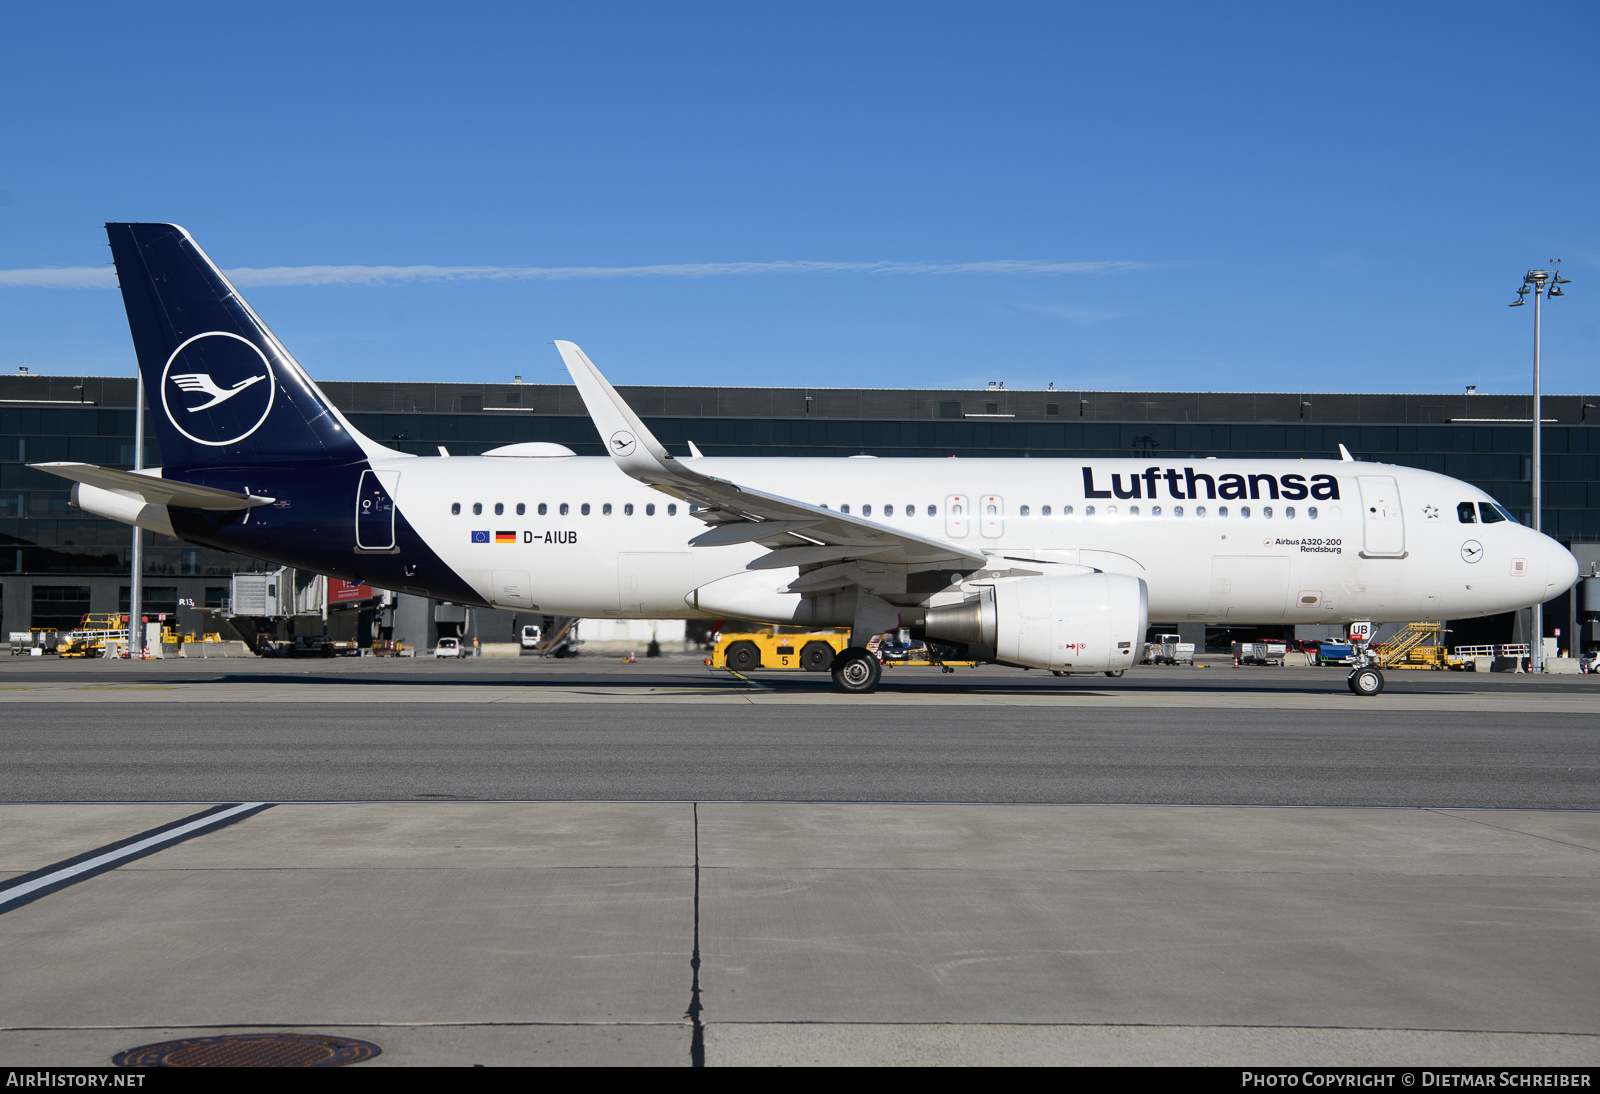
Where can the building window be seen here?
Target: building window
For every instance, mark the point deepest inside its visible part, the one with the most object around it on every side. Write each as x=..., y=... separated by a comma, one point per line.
x=216, y=595
x=61, y=607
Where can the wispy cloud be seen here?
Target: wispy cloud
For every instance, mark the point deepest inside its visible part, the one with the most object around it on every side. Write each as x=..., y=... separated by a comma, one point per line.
x=102, y=277
x=1076, y=313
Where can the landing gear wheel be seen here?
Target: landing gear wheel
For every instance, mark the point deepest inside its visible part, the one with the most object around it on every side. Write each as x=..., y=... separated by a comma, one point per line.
x=1058, y=672
x=816, y=656
x=1116, y=673
x=856, y=671
x=743, y=656
x=1366, y=681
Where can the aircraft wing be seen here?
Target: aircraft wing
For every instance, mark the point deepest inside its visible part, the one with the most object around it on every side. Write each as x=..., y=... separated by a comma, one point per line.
x=822, y=542
x=154, y=489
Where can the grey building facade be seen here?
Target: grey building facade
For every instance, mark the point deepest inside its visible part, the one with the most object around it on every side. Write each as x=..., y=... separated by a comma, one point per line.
x=57, y=563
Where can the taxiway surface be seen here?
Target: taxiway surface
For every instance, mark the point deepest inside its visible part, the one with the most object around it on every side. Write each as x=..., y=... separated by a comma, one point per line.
x=774, y=875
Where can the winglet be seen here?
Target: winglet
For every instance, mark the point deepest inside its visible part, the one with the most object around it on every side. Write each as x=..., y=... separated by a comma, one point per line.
x=1344, y=454
x=633, y=447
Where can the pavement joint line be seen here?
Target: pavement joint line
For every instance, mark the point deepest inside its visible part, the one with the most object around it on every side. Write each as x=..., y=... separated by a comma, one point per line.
x=26, y=888
x=1500, y=827
x=1448, y=809
x=697, y=1042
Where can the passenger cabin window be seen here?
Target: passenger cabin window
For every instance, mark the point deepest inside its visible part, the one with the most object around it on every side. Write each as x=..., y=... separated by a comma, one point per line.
x=1266, y=511
x=455, y=509
x=1199, y=510
x=584, y=509
x=1467, y=513
x=1066, y=510
x=477, y=508
x=933, y=510
x=1312, y=512
x=627, y=509
x=564, y=509
x=1177, y=510
x=521, y=508
x=1022, y=510
x=1222, y=510
x=1044, y=510
x=1244, y=511
x=672, y=510
x=605, y=510
x=866, y=510
x=1289, y=512
x=499, y=508
x=844, y=508
x=543, y=508
x=1133, y=510
x=1491, y=514
x=1155, y=510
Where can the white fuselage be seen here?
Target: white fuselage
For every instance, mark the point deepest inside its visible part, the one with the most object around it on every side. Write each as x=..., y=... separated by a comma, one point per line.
x=1391, y=545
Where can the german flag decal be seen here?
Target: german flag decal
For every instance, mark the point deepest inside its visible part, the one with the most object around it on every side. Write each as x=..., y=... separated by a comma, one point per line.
x=505, y=537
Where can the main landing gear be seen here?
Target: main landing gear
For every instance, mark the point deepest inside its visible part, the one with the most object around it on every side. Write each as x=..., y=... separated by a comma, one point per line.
x=1366, y=680
x=856, y=671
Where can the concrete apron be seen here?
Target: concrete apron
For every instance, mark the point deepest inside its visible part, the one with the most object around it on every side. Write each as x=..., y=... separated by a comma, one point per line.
x=564, y=933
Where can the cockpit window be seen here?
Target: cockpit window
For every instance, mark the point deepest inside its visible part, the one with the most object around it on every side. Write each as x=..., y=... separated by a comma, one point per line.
x=1492, y=514
x=1467, y=513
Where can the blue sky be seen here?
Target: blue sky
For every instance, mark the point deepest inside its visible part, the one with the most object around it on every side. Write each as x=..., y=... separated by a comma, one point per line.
x=1159, y=196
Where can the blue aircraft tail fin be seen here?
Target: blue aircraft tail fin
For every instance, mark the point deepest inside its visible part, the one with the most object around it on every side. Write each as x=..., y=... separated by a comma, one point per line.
x=220, y=386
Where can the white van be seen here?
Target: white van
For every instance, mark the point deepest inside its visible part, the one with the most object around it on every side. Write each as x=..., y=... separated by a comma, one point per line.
x=531, y=636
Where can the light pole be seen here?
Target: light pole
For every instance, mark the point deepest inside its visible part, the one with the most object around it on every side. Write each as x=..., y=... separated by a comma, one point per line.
x=135, y=589
x=1541, y=283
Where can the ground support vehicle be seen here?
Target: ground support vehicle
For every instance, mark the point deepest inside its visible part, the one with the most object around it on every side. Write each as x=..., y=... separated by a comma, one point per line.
x=1168, y=649
x=1259, y=653
x=448, y=647
x=813, y=651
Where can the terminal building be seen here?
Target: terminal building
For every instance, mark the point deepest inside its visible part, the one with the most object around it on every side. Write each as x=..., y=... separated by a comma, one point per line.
x=57, y=563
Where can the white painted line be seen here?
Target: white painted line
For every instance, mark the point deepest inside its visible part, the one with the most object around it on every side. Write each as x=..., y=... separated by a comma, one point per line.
x=133, y=850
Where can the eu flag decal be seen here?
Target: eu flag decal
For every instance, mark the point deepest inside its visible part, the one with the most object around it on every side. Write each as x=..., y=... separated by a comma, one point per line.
x=480, y=537
x=505, y=537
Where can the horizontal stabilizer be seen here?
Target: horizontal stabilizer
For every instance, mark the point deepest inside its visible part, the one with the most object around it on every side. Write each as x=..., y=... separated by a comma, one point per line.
x=154, y=489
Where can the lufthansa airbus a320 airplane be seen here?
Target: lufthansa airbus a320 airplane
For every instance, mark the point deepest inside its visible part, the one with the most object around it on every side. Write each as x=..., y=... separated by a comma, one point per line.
x=1049, y=563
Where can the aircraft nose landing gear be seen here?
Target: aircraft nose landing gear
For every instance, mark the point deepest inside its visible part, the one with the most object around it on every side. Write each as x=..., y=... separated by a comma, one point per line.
x=1366, y=680
x=856, y=670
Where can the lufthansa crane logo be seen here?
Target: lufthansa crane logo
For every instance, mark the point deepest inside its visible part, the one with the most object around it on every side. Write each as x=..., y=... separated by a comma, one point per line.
x=217, y=388
x=622, y=443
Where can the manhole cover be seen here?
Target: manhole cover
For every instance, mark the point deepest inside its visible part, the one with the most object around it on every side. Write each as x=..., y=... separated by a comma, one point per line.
x=251, y=1050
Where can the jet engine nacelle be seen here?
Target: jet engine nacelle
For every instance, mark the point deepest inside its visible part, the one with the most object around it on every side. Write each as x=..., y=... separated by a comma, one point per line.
x=1082, y=622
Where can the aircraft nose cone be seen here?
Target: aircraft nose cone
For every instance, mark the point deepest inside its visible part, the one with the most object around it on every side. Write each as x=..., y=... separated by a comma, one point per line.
x=1561, y=568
